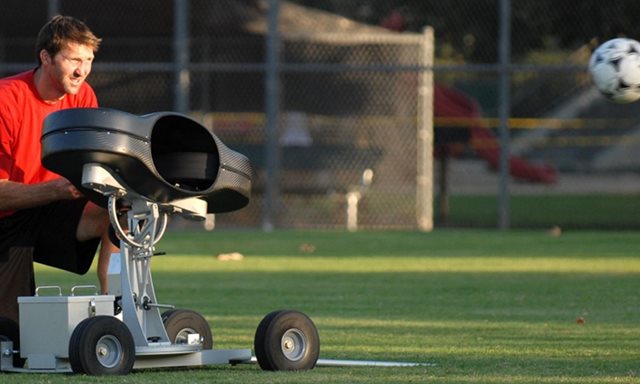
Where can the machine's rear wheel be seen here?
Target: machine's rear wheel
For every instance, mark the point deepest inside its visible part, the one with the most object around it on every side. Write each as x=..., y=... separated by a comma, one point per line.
x=102, y=345
x=287, y=341
x=9, y=331
x=180, y=323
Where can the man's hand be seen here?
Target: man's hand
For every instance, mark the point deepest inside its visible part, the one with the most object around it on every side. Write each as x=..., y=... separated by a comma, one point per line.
x=64, y=189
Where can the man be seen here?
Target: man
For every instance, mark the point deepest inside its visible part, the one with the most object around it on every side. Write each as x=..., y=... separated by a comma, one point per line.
x=43, y=217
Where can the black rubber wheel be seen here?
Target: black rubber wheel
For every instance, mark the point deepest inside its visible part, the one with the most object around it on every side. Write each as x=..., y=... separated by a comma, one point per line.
x=179, y=323
x=10, y=331
x=287, y=341
x=74, y=351
x=102, y=345
x=260, y=340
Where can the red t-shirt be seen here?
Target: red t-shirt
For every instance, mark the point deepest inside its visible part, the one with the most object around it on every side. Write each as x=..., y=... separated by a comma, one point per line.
x=22, y=112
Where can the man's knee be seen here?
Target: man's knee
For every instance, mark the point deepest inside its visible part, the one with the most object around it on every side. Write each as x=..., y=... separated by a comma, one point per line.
x=93, y=223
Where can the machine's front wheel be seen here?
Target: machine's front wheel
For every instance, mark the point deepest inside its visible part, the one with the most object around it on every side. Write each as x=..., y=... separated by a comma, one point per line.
x=102, y=345
x=180, y=323
x=287, y=341
x=9, y=331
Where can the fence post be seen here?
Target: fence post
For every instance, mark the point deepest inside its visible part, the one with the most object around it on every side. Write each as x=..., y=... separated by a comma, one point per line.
x=53, y=8
x=504, y=102
x=272, y=107
x=424, y=145
x=181, y=76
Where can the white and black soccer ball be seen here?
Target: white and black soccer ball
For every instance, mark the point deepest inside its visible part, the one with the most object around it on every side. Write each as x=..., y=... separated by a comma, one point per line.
x=615, y=69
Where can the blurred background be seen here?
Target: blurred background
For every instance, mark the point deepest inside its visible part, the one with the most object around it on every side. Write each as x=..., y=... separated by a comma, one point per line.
x=379, y=114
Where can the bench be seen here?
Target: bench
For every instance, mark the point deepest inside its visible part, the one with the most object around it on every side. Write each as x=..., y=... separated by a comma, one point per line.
x=317, y=170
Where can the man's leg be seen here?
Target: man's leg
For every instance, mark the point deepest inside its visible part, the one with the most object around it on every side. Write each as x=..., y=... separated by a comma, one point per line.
x=55, y=235
x=16, y=260
x=16, y=279
x=95, y=223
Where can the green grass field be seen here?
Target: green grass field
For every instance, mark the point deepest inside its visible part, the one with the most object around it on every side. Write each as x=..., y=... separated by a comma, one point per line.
x=588, y=211
x=478, y=306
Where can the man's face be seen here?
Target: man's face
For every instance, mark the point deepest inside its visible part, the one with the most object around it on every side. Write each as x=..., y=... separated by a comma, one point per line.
x=68, y=69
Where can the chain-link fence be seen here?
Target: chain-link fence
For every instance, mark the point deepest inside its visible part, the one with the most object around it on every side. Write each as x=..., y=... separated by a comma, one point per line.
x=341, y=149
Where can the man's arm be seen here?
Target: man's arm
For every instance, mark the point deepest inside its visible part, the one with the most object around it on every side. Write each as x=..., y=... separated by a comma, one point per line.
x=15, y=196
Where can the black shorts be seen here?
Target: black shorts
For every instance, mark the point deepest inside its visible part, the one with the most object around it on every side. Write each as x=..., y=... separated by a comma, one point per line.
x=46, y=235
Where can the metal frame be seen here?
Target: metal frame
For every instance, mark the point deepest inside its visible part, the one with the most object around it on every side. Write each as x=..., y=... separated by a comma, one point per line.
x=147, y=222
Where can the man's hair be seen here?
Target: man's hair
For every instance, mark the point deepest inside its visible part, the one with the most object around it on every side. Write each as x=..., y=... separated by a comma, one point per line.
x=61, y=30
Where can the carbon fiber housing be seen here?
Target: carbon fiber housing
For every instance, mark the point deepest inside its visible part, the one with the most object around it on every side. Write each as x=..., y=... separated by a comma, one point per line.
x=163, y=156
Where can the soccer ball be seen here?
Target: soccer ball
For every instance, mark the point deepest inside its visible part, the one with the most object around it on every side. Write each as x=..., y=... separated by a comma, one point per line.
x=615, y=69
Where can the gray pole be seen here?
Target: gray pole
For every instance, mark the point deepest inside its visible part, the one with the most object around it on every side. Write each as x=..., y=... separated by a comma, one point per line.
x=272, y=107
x=181, y=76
x=504, y=111
x=54, y=8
